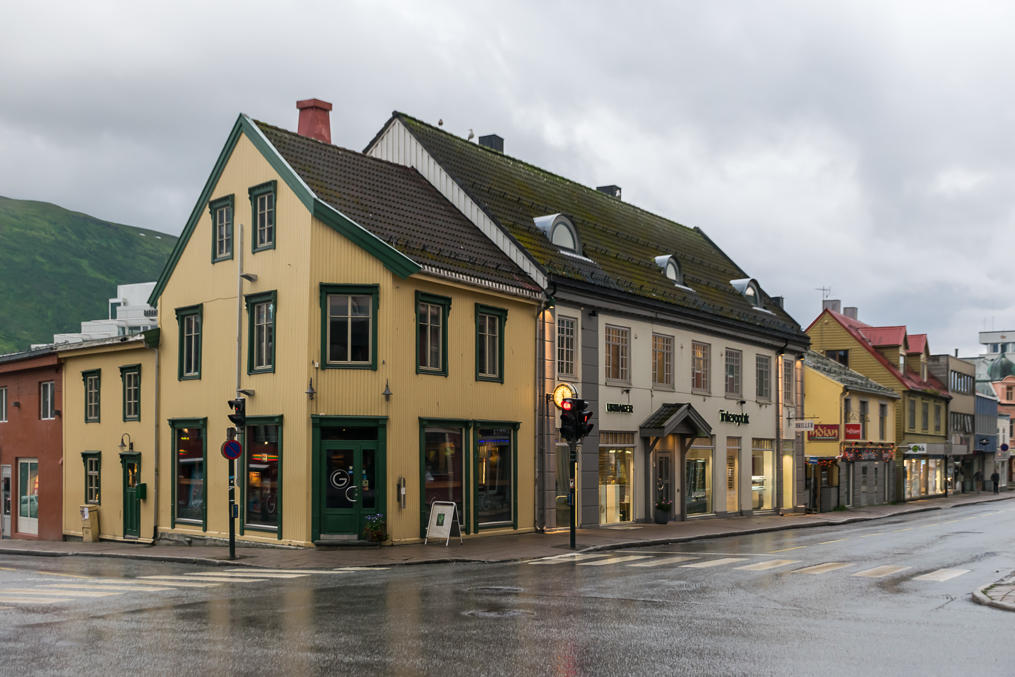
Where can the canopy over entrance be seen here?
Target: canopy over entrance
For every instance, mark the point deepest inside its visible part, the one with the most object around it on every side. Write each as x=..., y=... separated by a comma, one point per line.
x=675, y=418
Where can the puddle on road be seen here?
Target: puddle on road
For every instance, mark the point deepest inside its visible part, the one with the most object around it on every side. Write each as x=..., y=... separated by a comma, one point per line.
x=497, y=613
x=505, y=589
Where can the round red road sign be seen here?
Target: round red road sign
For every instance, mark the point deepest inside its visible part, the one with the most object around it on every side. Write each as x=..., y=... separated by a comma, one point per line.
x=232, y=449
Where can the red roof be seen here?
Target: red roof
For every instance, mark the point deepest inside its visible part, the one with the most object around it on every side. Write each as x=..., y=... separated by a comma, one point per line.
x=860, y=331
x=881, y=337
x=917, y=343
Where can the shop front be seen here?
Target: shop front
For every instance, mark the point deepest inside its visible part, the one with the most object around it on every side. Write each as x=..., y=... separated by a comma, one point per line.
x=349, y=475
x=616, y=477
x=678, y=440
x=868, y=466
x=925, y=471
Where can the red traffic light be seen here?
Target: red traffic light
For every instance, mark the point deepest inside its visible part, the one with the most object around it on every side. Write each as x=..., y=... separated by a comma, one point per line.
x=567, y=404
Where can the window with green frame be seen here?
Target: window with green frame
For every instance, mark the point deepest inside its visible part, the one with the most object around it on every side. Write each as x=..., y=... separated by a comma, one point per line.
x=490, y=324
x=261, y=486
x=261, y=310
x=349, y=326
x=221, y=228
x=432, y=333
x=93, y=476
x=189, y=354
x=262, y=215
x=190, y=459
x=130, y=376
x=495, y=475
x=93, y=385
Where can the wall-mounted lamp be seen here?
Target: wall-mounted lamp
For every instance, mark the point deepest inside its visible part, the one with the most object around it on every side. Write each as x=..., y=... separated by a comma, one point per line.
x=742, y=402
x=57, y=412
x=129, y=446
x=249, y=277
x=387, y=391
x=17, y=404
x=310, y=389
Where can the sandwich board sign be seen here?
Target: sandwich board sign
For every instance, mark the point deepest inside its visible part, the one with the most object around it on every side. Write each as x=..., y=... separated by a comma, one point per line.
x=442, y=515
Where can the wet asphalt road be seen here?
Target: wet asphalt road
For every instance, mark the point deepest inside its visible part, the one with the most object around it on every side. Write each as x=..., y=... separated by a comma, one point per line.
x=888, y=597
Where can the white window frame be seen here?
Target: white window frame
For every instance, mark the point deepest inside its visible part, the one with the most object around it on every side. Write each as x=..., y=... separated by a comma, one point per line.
x=264, y=217
x=47, y=403
x=619, y=337
x=662, y=348
x=700, y=366
x=191, y=342
x=223, y=232
x=734, y=372
x=3, y=404
x=264, y=335
x=763, y=376
x=567, y=355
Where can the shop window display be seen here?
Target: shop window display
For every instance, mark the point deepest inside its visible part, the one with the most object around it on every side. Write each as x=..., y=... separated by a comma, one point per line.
x=616, y=452
x=263, y=486
x=494, y=477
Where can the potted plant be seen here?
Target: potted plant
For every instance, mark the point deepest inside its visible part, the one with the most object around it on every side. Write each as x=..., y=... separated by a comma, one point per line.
x=662, y=512
x=374, y=528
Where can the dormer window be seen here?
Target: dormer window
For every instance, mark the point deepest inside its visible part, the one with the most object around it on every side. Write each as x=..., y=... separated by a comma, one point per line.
x=750, y=290
x=560, y=231
x=671, y=269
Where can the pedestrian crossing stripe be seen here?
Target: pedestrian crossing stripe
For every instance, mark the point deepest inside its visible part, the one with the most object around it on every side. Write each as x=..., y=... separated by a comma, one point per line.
x=714, y=562
x=25, y=599
x=570, y=557
x=118, y=587
x=234, y=574
x=881, y=572
x=941, y=575
x=770, y=564
x=304, y=572
x=186, y=582
x=613, y=560
x=342, y=570
x=65, y=593
x=824, y=568
x=661, y=561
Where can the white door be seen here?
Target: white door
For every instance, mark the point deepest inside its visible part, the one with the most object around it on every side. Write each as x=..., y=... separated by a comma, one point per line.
x=28, y=496
x=5, y=501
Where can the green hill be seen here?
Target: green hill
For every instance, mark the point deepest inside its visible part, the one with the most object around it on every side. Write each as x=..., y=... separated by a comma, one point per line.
x=58, y=268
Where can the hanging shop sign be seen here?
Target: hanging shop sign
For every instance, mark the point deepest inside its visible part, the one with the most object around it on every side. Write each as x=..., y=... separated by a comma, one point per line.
x=870, y=451
x=736, y=419
x=916, y=448
x=803, y=426
x=622, y=408
x=824, y=432
x=853, y=431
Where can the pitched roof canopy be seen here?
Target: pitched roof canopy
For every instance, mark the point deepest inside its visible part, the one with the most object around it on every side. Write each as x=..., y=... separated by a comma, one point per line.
x=620, y=243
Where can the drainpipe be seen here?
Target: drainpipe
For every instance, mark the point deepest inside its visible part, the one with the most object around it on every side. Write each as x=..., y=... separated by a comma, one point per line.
x=155, y=438
x=540, y=418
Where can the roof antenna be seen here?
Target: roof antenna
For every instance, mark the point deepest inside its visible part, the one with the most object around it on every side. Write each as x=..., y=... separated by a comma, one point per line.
x=825, y=293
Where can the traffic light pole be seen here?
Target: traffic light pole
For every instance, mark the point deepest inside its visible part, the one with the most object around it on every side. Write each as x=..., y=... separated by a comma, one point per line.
x=573, y=466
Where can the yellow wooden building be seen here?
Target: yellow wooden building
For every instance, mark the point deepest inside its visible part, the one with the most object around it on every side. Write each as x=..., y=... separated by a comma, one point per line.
x=383, y=347
x=110, y=424
x=850, y=447
x=898, y=360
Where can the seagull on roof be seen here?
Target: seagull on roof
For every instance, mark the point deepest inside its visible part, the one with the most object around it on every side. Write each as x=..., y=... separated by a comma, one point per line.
x=440, y=123
x=471, y=135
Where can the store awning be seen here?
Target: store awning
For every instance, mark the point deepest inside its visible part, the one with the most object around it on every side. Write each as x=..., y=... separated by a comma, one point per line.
x=675, y=418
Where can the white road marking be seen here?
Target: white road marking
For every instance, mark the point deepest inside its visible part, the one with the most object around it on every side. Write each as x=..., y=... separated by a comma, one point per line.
x=342, y=570
x=825, y=568
x=305, y=572
x=765, y=566
x=661, y=561
x=714, y=563
x=562, y=559
x=881, y=572
x=230, y=574
x=941, y=575
x=795, y=547
x=24, y=599
x=183, y=582
x=123, y=587
x=838, y=540
x=65, y=593
x=613, y=560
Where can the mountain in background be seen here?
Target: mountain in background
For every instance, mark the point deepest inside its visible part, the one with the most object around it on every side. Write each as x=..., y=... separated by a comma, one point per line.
x=59, y=268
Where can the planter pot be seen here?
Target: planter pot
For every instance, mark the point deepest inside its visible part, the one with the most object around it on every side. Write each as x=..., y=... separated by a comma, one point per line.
x=661, y=516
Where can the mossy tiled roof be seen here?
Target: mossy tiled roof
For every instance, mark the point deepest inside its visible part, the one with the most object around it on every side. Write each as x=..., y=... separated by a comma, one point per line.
x=397, y=205
x=621, y=240
x=853, y=380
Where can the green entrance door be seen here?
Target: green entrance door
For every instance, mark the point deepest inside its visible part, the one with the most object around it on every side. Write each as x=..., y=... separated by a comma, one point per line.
x=131, y=499
x=351, y=485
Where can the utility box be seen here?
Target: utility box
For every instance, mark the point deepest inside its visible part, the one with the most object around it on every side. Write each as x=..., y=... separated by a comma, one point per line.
x=90, y=523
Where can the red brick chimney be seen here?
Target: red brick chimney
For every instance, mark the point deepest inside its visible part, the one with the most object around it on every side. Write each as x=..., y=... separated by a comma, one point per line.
x=315, y=119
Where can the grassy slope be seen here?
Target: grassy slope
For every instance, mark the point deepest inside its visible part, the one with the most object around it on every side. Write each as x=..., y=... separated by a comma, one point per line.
x=58, y=268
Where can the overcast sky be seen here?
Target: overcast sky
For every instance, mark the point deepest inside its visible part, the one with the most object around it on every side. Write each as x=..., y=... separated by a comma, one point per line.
x=864, y=147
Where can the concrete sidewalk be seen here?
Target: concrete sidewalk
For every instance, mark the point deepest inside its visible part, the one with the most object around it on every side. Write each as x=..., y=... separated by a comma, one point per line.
x=504, y=548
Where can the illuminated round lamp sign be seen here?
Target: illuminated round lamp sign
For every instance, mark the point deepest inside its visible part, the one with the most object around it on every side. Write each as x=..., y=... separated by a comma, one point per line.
x=562, y=392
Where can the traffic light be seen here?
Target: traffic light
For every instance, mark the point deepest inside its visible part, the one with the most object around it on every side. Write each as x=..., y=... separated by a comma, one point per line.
x=568, y=423
x=582, y=420
x=239, y=415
